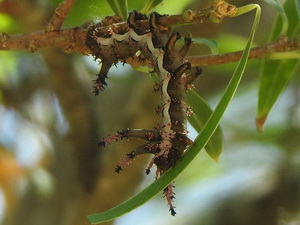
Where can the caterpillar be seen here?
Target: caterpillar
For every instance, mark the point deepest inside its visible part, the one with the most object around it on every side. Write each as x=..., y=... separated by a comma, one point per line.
x=168, y=140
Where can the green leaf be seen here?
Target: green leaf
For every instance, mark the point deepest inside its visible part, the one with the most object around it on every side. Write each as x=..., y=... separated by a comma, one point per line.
x=5, y=22
x=274, y=79
x=200, y=141
x=150, y=4
x=95, y=10
x=202, y=112
x=283, y=17
x=211, y=43
x=298, y=8
x=276, y=74
x=173, y=7
x=293, y=18
x=119, y=7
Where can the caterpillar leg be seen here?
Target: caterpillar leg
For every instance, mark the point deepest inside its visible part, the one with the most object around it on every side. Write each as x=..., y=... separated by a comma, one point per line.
x=90, y=41
x=172, y=56
x=153, y=25
x=150, y=148
x=132, y=18
x=149, y=135
x=170, y=195
x=159, y=32
x=100, y=82
x=194, y=74
x=181, y=70
x=171, y=42
x=185, y=48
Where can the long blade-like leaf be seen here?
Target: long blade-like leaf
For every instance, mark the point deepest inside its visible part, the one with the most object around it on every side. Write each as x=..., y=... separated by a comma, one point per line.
x=191, y=153
x=297, y=2
x=119, y=7
x=276, y=74
x=201, y=113
x=150, y=5
x=283, y=18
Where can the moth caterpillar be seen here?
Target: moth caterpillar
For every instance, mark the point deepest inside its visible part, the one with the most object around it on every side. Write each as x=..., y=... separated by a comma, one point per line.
x=168, y=140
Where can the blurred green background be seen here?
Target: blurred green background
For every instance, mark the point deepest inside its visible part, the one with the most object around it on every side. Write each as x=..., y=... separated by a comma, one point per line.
x=53, y=173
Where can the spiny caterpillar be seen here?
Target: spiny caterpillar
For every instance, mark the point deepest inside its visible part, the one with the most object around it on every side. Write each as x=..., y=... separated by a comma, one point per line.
x=168, y=140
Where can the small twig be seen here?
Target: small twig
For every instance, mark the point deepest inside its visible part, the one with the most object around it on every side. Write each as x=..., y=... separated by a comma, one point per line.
x=283, y=44
x=59, y=15
x=70, y=40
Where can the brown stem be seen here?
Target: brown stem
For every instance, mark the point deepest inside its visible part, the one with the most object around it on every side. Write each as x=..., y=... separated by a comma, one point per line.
x=72, y=40
x=283, y=44
x=59, y=15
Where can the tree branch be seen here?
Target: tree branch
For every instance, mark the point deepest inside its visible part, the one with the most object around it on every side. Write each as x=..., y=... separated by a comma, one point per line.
x=70, y=40
x=59, y=15
x=283, y=44
x=73, y=40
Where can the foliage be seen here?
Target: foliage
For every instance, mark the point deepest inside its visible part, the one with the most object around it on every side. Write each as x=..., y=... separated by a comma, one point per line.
x=275, y=75
x=200, y=141
x=49, y=117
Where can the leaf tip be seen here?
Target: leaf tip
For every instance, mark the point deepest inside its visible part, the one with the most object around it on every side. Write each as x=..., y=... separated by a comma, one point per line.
x=215, y=155
x=216, y=159
x=260, y=122
x=91, y=219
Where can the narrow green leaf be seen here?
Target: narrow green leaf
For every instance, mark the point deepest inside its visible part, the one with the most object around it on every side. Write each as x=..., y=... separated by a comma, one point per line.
x=275, y=74
x=284, y=20
x=211, y=43
x=201, y=140
x=202, y=112
x=274, y=79
x=294, y=21
x=119, y=7
x=150, y=5
x=297, y=2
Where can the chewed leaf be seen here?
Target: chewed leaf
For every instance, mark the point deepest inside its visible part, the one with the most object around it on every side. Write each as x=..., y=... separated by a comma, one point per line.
x=201, y=113
x=119, y=7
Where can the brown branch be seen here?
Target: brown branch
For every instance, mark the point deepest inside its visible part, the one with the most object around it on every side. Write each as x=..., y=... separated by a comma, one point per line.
x=70, y=40
x=59, y=15
x=283, y=44
x=73, y=39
